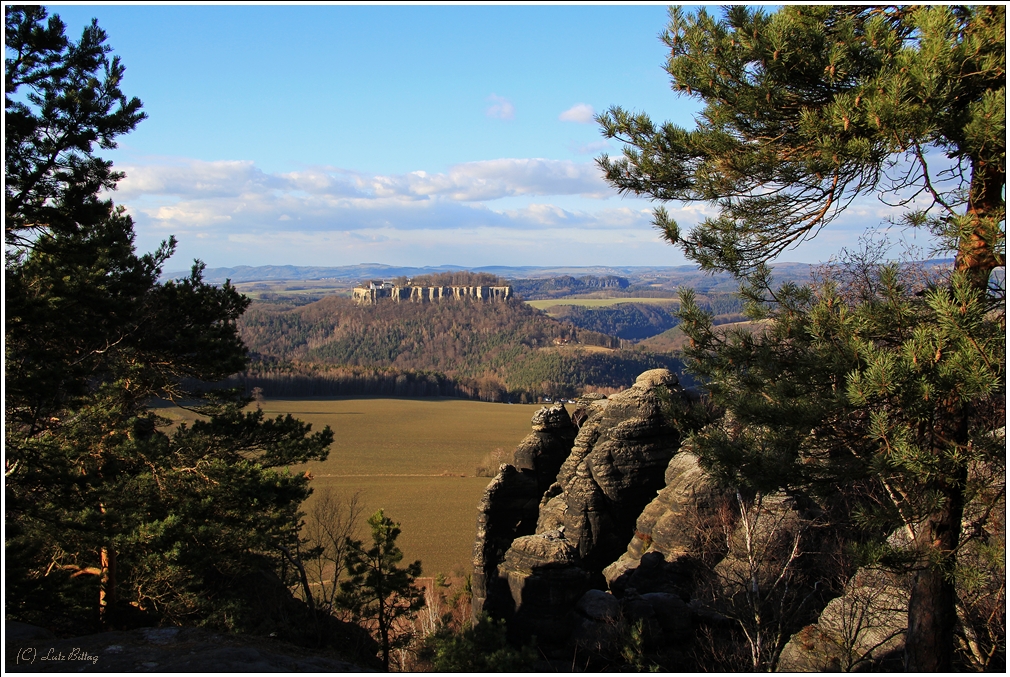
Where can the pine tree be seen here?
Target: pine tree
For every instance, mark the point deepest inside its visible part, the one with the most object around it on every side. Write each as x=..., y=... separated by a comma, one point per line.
x=806, y=109
x=379, y=592
x=101, y=497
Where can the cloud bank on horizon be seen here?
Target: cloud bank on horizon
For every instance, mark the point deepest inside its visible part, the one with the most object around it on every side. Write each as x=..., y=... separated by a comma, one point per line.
x=507, y=211
x=518, y=211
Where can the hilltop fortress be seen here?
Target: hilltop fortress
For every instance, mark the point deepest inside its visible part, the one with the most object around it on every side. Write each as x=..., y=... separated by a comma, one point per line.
x=378, y=289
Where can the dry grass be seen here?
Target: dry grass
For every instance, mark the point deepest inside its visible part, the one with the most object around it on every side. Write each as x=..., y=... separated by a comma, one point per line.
x=414, y=458
x=488, y=466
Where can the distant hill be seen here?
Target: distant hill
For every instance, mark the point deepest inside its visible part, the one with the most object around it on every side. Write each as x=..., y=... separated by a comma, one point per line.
x=665, y=277
x=566, y=285
x=491, y=351
x=637, y=320
x=659, y=277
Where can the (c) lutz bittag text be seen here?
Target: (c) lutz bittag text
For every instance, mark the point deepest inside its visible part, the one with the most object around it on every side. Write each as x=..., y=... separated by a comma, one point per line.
x=30, y=655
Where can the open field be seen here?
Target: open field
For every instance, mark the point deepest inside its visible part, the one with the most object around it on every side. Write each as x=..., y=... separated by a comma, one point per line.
x=598, y=303
x=414, y=458
x=577, y=348
x=293, y=289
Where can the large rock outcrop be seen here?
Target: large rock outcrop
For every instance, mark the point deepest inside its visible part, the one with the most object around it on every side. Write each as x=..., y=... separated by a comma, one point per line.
x=695, y=551
x=661, y=555
x=509, y=507
x=586, y=515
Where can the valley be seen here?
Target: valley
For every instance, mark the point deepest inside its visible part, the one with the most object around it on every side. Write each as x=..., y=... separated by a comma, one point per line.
x=500, y=352
x=415, y=458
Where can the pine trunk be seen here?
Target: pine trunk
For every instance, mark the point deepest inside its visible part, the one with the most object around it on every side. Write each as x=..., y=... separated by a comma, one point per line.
x=107, y=588
x=977, y=255
x=932, y=608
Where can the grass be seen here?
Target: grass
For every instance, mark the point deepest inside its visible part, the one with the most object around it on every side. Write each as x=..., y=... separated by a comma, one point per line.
x=293, y=289
x=541, y=304
x=575, y=348
x=414, y=458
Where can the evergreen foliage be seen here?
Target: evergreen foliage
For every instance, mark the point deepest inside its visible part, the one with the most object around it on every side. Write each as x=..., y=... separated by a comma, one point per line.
x=378, y=592
x=492, y=351
x=480, y=646
x=111, y=518
x=807, y=108
x=870, y=389
x=456, y=278
x=628, y=321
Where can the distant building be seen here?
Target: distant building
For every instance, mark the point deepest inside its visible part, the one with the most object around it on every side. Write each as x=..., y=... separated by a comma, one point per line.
x=379, y=289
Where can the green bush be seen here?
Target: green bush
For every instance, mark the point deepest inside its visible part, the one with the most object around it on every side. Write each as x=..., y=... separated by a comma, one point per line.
x=477, y=647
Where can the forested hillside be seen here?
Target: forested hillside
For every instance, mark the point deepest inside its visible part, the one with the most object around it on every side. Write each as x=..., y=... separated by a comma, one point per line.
x=624, y=320
x=492, y=351
x=565, y=285
x=636, y=321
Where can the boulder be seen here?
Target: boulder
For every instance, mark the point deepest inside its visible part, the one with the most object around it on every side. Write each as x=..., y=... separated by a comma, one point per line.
x=863, y=629
x=544, y=450
x=599, y=606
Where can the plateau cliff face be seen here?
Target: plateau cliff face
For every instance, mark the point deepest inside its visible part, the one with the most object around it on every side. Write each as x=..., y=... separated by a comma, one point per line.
x=416, y=294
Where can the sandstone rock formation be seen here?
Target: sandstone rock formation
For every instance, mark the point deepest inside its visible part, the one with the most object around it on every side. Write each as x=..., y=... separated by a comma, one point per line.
x=379, y=290
x=863, y=629
x=662, y=551
x=694, y=554
x=585, y=516
x=509, y=507
x=633, y=547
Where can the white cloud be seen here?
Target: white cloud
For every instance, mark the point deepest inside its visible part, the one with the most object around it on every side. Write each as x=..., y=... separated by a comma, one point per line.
x=467, y=246
x=223, y=179
x=591, y=148
x=582, y=113
x=506, y=177
x=229, y=213
x=500, y=108
x=203, y=178
x=467, y=182
x=550, y=215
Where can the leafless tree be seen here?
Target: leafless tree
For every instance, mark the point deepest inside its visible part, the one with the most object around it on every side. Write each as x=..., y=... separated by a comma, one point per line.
x=331, y=520
x=760, y=584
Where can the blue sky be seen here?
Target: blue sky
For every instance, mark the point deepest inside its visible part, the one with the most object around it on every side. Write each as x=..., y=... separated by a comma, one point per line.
x=405, y=135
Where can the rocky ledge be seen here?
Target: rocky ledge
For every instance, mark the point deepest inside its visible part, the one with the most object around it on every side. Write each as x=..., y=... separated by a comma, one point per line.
x=33, y=649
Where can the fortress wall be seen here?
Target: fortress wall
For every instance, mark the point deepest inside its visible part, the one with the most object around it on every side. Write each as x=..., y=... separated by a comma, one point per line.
x=413, y=294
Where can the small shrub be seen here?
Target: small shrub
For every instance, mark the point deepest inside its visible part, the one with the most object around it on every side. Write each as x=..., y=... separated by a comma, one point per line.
x=488, y=466
x=478, y=647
